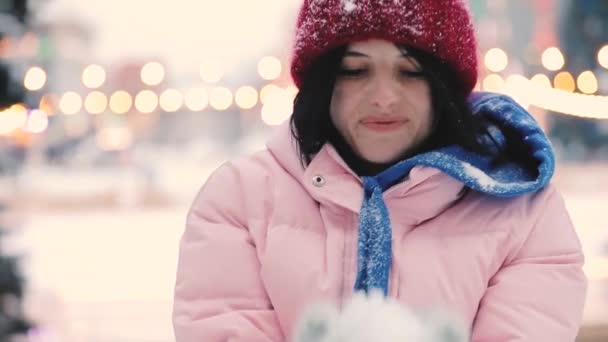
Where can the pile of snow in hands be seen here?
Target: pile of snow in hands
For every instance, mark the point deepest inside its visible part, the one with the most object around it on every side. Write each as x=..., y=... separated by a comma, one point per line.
x=378, y=319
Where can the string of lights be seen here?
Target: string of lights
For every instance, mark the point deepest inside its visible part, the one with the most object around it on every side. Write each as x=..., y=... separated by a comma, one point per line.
x=557, y=93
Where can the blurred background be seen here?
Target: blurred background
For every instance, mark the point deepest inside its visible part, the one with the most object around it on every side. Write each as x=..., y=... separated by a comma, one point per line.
x=113, y=113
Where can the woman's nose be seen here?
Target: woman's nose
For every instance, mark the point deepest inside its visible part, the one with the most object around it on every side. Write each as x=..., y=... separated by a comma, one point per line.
x=384, y=94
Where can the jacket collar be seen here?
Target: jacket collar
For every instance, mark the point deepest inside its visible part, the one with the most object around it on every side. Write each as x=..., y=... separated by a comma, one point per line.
x=423, y=194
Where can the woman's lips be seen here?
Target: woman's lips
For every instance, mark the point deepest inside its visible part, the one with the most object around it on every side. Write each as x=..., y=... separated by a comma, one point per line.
x=383, y=124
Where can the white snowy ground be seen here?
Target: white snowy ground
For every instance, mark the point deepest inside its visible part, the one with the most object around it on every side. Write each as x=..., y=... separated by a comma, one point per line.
x=107, y=275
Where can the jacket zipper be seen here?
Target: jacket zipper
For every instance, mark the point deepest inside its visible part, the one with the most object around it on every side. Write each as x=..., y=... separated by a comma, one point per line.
x=345, y=248
x=349, y=256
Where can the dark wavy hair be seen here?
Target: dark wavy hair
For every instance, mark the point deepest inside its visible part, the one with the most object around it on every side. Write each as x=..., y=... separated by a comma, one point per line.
x=453, y=120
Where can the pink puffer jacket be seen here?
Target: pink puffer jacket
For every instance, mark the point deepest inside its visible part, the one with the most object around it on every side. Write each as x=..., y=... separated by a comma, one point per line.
x=266, y=237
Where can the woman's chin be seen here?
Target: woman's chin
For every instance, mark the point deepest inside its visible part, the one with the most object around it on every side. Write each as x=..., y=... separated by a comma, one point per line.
x=382, y=159
x=383, y=154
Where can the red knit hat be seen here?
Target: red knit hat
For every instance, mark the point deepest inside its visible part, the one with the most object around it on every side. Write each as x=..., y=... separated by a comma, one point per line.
x=441, y=27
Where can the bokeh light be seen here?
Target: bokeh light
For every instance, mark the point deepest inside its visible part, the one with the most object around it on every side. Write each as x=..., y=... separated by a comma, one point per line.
x=70, y=103
x=587, y=82
x=553, y=59
x=12, y=118
x=541, y=80
x=146, y=101
x=266, y=92
x=34, y=79
x=269, y=68
x=292, y=90
x=196, y=99
x=246, y=97
x=518, y=87
x=48, y=104
x=220, y=98
x=152, y=73
x=567, y=102
x=171, y=100
x=37, y=122
x=93, y=76
x=121, y=102
x=278, y=107
x=496, y=60
x=96, y=102
x=493, y=82
x=602, y=56
x=564, y=81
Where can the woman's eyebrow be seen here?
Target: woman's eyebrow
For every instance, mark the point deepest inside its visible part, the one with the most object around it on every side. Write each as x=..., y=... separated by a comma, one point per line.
x=352, y=53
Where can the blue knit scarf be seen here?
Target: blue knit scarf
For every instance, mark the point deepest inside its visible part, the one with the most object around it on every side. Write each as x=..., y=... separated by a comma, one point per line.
x=474, y=171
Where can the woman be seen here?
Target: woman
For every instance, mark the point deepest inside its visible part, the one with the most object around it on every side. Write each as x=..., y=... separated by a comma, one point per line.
x=390, y=175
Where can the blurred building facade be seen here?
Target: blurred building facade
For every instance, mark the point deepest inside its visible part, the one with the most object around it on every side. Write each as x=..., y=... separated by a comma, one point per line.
x=132, y=139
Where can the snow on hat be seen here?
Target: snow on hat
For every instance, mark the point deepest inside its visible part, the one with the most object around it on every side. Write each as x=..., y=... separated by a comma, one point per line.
x=440, y=27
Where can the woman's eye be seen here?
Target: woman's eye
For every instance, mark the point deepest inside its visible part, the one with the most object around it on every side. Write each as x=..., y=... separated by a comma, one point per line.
x=412, y=73
x=351, y=72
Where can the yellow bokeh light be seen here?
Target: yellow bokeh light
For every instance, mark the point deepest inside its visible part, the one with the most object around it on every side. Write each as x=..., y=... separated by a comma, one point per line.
x=278, y=107
x=12, y=118
x=570, y=103
x=493, y=82
x=18, y=108
x=587, y=82
x=541, y=80
x=171, y=100
x=496, y=60
x=516, y=80
x=269, y=68
x=34, y=79
x=602, y=56
x=267, y=91
x=196, y=99
x=292, y=90
x=152, y=73
x=518, y=87
x=220, y=98
x=37, y=122
x=121, y=102
x=246, y=97
x=564, y=81
x=146, y=101
x=96, y=102
x=93, y=76
x=211, y=71
x=70, y=103
x=48, y=104
x=553, y=59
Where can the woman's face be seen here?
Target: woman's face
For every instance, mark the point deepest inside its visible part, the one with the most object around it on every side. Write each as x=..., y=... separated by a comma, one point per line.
x=381, y=104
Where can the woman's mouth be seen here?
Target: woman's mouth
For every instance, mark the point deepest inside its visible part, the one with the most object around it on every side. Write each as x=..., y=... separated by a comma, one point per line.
x=383, y=124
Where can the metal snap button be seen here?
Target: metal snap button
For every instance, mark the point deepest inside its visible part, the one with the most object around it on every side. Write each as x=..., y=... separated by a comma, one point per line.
x=318, y=181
